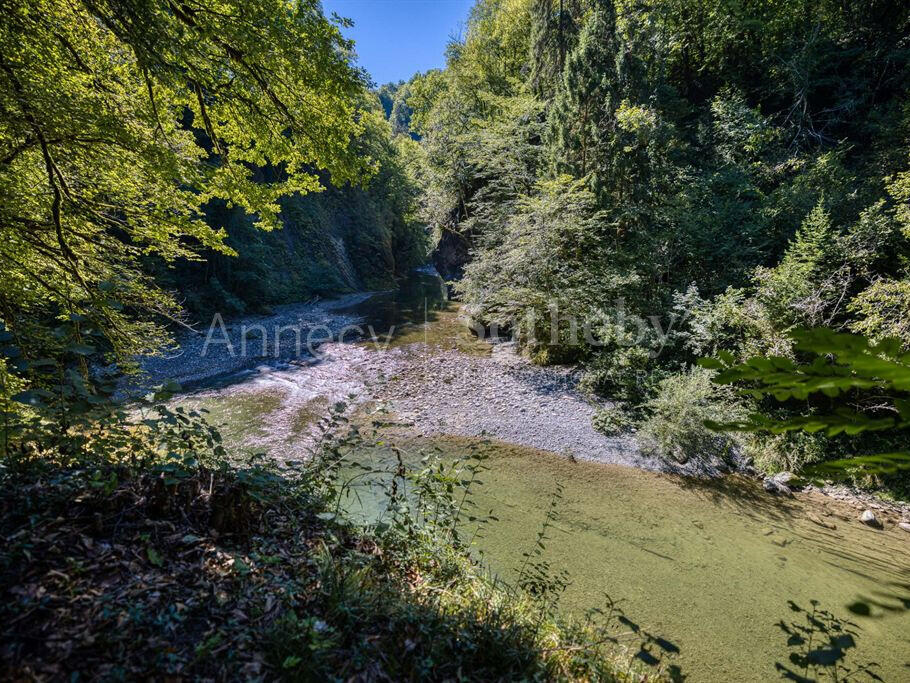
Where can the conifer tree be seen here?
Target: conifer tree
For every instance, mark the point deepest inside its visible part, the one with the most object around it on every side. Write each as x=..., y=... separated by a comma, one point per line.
x=584, y=104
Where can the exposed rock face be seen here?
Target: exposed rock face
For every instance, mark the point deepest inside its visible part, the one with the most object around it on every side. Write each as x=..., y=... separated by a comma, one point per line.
x=779, y=489
x=451, y=255
x=784, y=477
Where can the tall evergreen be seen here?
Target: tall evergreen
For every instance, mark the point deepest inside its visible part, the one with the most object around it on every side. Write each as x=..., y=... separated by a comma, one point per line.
x=583, y=108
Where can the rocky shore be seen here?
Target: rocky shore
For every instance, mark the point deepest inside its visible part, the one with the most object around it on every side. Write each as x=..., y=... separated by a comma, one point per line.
x=222, y=349
x=428, y=384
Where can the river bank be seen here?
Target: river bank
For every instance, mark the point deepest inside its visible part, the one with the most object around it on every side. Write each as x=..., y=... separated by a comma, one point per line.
x=228, y=348
x=710, y=563
x=432, y=375
x=409, y=351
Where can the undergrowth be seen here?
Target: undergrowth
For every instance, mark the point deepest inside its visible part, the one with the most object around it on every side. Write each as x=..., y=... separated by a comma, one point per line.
x=141, y=550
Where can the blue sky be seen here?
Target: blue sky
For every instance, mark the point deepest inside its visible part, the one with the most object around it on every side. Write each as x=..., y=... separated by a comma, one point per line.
x=395, y=38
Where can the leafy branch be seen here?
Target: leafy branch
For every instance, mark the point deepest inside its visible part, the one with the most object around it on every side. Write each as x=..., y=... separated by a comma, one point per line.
x=847, y=385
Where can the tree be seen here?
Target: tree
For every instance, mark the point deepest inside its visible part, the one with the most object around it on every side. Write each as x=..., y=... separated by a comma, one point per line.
x=554, y=30
x=847, y=385
x=120, y=122
x=584, y=105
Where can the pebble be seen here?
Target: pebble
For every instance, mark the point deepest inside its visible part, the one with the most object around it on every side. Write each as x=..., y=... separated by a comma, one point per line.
x=821, y=522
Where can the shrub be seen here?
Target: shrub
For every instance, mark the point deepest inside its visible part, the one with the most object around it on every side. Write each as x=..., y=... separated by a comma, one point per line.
x=789, y=452
x=613, y=420
x=884, y=308
x=675, y=427
x=625, y=373
x=193, y=565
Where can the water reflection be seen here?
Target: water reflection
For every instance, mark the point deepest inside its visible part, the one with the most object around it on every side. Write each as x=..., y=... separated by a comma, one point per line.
x=417, y=300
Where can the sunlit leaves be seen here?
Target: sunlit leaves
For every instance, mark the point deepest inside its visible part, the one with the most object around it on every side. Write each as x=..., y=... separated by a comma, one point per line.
x=865, y=384
x=119, y=122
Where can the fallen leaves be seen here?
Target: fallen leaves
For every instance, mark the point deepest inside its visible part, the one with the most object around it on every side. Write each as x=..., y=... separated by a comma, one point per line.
x=128, y=585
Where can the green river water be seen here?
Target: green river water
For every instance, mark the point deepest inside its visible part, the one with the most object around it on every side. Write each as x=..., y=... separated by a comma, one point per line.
x=715, y=567
x=718, y=568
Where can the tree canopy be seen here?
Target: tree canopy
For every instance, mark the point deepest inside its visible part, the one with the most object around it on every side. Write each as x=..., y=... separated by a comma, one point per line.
x=121, y=121
x=734, y=171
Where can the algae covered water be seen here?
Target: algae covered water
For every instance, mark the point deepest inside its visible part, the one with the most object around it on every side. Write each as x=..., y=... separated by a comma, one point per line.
x=725, y=572
x=743, y=583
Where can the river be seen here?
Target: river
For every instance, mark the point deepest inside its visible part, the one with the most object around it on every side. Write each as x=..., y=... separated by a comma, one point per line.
x=719, y=568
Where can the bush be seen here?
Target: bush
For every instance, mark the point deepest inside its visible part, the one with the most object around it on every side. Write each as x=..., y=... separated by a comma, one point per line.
x=675, y=427
x=624, y=373
x=789, y=452
x=613, y=420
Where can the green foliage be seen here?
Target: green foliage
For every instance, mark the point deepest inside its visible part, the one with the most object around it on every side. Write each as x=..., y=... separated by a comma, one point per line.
x=675, y=427
x=524, y=281
x=747, y=171
x=554, y=31
x=883, y=310
x=623, y=371
x=394, y=100
x=341, y=239
x=787, y=452
x=613, y=420
x=585, y=102
x=800, y=288
x=55, y=411
x=121, y=123
x=320, y=596
x=850, y=386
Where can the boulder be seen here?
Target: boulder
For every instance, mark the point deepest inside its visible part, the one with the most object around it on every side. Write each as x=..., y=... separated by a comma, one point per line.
x=778, y=488
x=784, y=477
x=904, y=525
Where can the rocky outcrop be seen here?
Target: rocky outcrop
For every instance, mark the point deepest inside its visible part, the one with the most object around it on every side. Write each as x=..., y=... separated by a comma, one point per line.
x=452, y=254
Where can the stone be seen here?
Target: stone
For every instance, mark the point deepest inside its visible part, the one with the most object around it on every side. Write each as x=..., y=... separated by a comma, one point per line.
x=775, y=487
x=820, y=521
x=904, y=525
x=783, y=477
x=868, y=517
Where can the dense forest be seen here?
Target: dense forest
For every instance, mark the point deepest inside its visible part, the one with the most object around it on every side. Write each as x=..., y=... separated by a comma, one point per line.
x=676, y=179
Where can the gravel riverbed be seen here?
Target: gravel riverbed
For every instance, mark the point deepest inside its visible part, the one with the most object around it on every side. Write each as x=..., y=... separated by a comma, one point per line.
x=431, y=379
x=430, y=388
x=226, y=349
